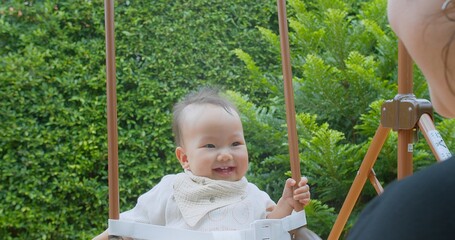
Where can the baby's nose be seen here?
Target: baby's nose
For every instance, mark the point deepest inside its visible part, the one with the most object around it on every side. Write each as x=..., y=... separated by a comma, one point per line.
x=224, y=156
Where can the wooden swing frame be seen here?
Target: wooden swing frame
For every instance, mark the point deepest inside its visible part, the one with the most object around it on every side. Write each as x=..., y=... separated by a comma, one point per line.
x=421, y=117
x=114, y=210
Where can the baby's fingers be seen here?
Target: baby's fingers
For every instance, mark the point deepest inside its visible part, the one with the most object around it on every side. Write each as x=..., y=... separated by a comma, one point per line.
x=305, y=201
x=290, y=183
x=302, y=189
x=303, y=196
x=303, y=181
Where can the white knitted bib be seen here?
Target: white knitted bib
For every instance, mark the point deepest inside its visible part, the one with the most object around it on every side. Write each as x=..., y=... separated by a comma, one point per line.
x=196, y=196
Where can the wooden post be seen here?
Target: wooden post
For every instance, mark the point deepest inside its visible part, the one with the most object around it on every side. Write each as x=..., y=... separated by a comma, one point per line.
x=112, y=133
x=289, y=96
x=405, y=137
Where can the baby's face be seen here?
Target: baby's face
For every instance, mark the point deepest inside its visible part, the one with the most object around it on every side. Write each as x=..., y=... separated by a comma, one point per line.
x=213, y=143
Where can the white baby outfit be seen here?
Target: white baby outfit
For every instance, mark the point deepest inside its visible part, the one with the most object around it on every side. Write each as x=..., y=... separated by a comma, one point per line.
x=198, y=203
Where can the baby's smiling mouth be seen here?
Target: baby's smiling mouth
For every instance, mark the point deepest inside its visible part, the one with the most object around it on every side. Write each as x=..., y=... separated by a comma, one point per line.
x=224, y=170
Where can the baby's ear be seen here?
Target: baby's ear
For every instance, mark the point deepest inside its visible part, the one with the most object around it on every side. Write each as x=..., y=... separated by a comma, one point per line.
x=182, y=157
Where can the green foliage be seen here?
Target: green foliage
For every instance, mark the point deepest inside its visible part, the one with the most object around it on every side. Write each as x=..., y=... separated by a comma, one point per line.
x=320, y=218
x=328, y=163
x=53, y=126
x=342, y=57
x=256, y=80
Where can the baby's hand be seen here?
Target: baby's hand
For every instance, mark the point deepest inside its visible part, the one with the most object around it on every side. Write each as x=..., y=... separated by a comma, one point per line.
x=290, y=197
x=300, y=194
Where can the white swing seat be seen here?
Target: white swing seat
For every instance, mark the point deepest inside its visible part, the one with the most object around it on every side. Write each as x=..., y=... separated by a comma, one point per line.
x=264, y=229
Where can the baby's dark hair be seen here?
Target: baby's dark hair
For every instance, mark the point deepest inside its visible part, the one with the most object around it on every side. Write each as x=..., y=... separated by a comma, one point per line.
x=205, y=95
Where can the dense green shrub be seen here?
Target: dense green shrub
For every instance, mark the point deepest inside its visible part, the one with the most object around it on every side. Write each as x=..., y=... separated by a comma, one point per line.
x=53, y=123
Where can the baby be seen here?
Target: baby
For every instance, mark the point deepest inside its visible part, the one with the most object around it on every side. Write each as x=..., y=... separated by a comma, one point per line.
x=212, y=194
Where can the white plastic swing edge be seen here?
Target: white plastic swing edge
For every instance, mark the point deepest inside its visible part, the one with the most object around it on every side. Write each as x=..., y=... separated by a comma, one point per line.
x=270, y=229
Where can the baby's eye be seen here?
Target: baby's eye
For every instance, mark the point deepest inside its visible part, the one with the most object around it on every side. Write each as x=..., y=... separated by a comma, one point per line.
x=236, y=144
x=209, y=145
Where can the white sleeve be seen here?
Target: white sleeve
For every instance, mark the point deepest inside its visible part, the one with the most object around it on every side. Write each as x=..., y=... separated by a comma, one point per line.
x=263, y=201
x=150, y=207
